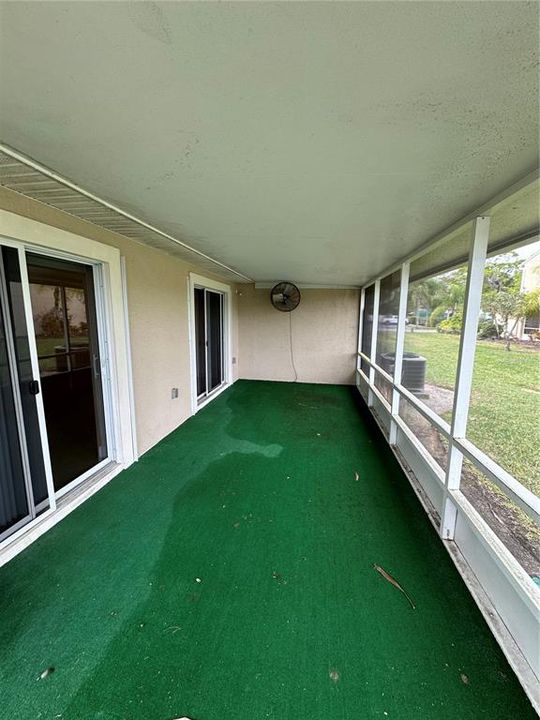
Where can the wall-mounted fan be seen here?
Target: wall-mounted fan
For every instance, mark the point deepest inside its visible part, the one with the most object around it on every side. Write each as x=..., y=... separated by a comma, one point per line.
x=285, y=296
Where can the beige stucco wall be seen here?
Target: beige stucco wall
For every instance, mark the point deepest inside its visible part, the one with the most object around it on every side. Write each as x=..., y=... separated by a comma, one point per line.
x=158, y=319
x=324, y=326
x=324, y=336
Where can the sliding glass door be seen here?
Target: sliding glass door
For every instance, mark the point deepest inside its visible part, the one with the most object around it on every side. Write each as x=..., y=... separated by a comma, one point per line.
x=208, y=341
x=28, y=388
x=65, y=326
x=23, y=482
x=15, y=498
x=52, y=413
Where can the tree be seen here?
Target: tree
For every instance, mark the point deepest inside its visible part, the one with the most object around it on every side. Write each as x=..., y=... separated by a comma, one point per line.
x=441, y=296
x=51, y=322
x=423, y=295
x=506, y=308
x=503, y=272
x=501, y=297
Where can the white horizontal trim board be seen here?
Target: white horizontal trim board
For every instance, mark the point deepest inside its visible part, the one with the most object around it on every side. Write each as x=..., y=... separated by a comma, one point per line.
x=432, y=484
x=304, y=286
x=434, y=466
x=441, y=425
x=385, y=375
x=523, y=497
x=505, y=593
x=380, y=397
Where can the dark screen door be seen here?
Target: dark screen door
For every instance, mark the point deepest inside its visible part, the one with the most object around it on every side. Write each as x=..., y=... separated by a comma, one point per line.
x=214, y=322
x=200, y=340
x=208, y=340
x=64, y=313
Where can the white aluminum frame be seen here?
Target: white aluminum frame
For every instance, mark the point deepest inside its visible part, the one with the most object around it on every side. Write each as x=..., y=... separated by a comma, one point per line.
x=200, y=281
x=465, y=534
x=25, y=235
x=19, y=416
x=400, y=342
x=103, y=332
x=134, y=440
x=465, y=369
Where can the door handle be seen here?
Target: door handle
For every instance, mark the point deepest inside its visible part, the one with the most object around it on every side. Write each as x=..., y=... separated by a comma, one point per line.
x=33, y=387
x=97, y=369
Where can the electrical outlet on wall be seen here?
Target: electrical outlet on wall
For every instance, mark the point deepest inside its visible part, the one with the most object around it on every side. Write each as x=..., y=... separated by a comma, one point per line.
x=174, y=393
x=234, y=361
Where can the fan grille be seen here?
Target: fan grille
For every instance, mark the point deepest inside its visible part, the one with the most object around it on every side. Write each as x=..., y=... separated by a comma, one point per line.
x=285, y=296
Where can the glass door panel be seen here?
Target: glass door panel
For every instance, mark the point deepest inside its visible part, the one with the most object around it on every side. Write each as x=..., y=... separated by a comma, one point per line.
x=208, y=309
x=64, y=313
x=215, y=339
x=15, y=505
x=200, y=341
x=27, y=387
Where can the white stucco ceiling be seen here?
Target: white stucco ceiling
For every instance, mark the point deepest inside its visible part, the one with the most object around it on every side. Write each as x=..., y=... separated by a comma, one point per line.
x=316, y=142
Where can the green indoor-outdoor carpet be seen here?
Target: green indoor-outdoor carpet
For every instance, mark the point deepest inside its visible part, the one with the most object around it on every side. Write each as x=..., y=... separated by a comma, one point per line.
x=228, y=575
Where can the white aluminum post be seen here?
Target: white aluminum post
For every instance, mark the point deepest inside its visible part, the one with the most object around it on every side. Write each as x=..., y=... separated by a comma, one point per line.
x=373, y=350
x=465, y=369
x=360, y=327
x=400, y=343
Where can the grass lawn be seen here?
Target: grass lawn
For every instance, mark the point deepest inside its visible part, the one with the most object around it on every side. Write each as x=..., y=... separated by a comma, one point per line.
x=48, y=345
x=505, y=406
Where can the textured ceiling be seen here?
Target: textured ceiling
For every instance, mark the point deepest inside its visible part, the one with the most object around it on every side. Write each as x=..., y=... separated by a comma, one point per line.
x=20, y=174
x=317, y=142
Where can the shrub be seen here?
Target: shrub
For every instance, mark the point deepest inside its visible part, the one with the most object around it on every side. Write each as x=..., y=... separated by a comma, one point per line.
x=452, y=324
x=437, y=315
x=487, y=329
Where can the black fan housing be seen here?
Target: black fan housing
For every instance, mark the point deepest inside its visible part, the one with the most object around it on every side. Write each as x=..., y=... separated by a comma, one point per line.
x=285, y=296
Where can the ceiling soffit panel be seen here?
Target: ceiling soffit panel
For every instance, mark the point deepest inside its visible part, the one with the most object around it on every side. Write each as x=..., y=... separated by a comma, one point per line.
x=17, y=175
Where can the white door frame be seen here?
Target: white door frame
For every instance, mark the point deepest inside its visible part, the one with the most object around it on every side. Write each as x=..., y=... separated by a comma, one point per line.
x=25, y=234
x=103, y=333
x=19, y=415
x=199, y=281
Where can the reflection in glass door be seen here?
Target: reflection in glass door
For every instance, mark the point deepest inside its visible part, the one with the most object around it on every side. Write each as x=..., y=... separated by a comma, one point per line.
x=65, y=324
x=209, y=343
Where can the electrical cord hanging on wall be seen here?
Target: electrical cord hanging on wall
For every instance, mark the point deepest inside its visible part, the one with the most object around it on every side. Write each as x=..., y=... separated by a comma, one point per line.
x=285, y=297
x=291, y=348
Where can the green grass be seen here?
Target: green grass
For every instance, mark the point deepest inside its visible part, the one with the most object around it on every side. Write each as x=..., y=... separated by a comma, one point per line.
x=47, y=346
x=256, y=497
x=505, y=405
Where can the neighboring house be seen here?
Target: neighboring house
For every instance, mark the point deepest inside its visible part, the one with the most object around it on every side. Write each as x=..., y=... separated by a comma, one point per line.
x=530, y=281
